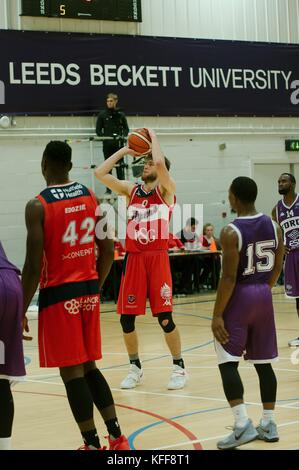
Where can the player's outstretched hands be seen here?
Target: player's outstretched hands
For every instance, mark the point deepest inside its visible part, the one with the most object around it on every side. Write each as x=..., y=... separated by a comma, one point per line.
x=219, y=330
x=152, y=134
x=131, y=152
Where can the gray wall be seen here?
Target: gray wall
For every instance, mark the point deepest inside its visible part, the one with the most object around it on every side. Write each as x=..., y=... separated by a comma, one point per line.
x=202, y=171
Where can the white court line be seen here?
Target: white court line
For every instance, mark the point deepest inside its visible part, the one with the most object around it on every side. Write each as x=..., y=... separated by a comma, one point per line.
x=197, y=441
x=42, y=376
x=42, y=382
x=173, y=395
x=290, y=405
x=184, y=354
x=158, y=353
x=211, y=367
x=290, y=423
x=154, y=354
x=114, y=369
x=168, y=395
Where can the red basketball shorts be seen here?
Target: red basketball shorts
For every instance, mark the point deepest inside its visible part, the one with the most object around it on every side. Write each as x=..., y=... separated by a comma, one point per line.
x=69, y=332
x=145, y=275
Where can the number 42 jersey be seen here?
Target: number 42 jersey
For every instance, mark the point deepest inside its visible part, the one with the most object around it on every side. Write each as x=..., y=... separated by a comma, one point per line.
x=69, y=232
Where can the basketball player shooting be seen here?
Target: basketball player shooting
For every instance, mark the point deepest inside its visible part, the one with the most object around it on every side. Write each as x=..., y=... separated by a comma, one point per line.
x=146, y=268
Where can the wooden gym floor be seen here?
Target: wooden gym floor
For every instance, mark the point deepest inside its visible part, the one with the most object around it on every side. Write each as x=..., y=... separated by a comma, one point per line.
x=151, y=416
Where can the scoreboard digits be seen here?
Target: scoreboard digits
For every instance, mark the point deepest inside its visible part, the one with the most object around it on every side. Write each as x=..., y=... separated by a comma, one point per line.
x=115, y=10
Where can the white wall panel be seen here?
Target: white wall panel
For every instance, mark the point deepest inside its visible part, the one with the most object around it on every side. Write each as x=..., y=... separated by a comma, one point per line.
x=238, y=15
x=205, y=20
x=294, y=19
x=3, y=15
x=283, y=21
x=166, y=18
x=271, y=14
x=181, y=17
x=202, y=171
x=157, y=22
x=261, y=20
x=251, y=20
x=194, y=19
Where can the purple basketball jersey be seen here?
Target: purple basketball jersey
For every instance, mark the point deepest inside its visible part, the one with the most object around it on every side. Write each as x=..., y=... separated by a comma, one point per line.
x=4, y=263
x=250, y=307
x=288, y=219
x=257, y=246
x=11, y=317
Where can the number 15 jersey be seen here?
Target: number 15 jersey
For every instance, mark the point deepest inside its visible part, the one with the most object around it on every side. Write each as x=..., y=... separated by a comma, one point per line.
x=69, y=232
x=257, y=247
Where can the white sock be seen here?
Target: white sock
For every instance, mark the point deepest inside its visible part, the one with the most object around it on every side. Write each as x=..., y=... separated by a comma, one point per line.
x=268, y=415
x=5, y=443
x=240, y=415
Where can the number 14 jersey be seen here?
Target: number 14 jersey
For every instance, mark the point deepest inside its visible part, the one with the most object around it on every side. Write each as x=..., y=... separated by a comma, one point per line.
x=69, y=231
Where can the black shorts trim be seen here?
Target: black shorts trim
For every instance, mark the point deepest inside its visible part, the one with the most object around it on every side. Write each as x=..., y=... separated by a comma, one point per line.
x=53, y=295
x=125, y=264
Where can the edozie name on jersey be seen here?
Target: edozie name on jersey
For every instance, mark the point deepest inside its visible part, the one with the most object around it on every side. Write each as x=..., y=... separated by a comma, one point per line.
x=70, y=210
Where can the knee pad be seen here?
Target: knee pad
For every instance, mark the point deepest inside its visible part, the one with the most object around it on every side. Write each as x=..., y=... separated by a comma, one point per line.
x=166, y=322
x=128, y=323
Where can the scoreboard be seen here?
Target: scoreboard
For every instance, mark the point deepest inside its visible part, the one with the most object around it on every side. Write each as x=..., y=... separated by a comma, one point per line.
x=115, y=10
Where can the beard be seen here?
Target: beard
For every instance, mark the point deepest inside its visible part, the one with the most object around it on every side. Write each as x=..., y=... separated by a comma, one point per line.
x=149, y=178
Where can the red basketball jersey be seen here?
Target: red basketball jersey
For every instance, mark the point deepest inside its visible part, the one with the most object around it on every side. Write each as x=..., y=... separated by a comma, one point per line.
x=69, y=231
x=148, y=221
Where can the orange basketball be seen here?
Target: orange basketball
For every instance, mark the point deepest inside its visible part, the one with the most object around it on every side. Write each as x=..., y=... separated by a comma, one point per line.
x=139, y=140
